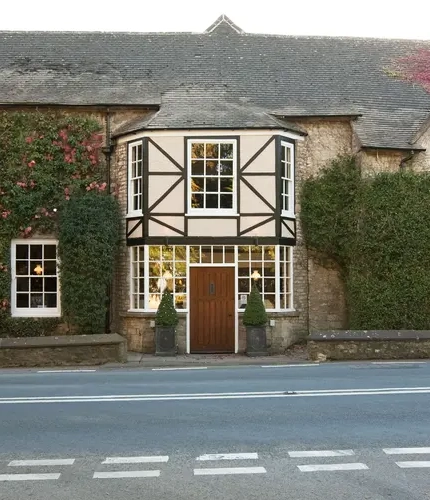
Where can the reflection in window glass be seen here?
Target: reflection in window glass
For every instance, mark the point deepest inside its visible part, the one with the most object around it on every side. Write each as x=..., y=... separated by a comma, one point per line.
x=212, y=175
x=263, y=260
x=36, y=279
x=167, y=267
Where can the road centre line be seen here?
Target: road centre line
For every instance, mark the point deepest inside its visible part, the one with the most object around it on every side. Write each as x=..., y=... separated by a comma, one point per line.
x=332, y=467
x=126, y=474
x=415, y=464
x=297, y=365
x=406, y=451
x=229, y=471
x=321, y=453
x=228, y=456
x=29, y=477
x=136, y=460
x=39, y=463
x=182, y=368
x=209, y=394
x=215, y=396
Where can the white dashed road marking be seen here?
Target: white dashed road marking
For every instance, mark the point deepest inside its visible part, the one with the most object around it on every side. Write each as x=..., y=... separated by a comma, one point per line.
x=126, y=474
x=29, y=477
x=31, y=463
x=136, y=460
x=65, y=371
x=229, y=471
x=185, y=368
x=331, y=467
x=406, y=451
x=414, y=464
x=228, y=456
x=321, y=453
x=290, y=366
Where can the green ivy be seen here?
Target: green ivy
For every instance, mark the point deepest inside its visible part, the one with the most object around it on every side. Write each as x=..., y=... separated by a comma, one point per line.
x=329, y=206
x=166, y=313
x=378, y=231
x=255, y=312
x=47, y=160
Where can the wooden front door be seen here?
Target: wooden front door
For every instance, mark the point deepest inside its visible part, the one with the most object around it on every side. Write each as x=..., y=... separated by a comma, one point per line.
x=212, y=314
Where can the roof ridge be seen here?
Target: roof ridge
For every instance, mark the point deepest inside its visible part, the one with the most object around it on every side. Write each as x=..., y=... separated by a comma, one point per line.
x=223, y=19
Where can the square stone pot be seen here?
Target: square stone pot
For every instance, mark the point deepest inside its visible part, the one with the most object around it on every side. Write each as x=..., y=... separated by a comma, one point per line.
x=256, y=344
x=165, y=341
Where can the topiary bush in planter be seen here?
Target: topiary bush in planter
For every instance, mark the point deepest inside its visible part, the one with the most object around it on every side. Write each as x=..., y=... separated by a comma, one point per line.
x=166, y=320
x=255, y=319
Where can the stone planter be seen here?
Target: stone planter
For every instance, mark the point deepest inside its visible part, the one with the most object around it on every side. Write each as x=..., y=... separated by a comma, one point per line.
x=165, y=341
x=256, y=344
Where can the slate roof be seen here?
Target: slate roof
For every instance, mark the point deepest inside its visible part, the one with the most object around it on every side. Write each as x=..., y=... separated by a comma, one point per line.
x=222, y=78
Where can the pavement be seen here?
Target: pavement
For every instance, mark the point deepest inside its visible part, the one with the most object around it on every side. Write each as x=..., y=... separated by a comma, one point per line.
x=295, y=354
x=287, y=431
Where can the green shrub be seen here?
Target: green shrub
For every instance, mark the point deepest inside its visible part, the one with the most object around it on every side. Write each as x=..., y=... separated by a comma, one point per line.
x=255, y=312
x=89, y=232
x=27, y=327
x=166, y=313
x=378, y=231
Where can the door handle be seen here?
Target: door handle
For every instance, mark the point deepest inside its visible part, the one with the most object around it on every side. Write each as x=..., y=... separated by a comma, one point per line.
x=211, y=288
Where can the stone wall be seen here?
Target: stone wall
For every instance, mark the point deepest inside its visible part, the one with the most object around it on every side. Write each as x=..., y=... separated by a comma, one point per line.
x=319, y=294
x=363, y=345
x=139, y=329
x=327, y=295
x=373, y=162
x=67, y=350
x=420, y=162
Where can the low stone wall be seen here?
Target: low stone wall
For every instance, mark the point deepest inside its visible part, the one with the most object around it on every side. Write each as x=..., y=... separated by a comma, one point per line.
x=139, y=330
x=63, y=350
x=369, y=344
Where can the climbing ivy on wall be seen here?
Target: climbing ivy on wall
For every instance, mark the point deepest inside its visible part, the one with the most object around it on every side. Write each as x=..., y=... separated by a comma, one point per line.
x=48, y=161
x=378, y=231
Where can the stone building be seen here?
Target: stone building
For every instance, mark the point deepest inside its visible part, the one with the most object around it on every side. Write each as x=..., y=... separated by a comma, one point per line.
x=209, y=137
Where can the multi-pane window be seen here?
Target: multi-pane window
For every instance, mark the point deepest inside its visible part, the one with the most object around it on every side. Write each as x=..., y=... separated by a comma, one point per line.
x=211, y=254
x=135, y=177
x=155, y=267
x=286, y=271
x=35, y=287
x=263, y=260
x=287, y=178
x=212, y=166
x=163, y=267
x=137, y=278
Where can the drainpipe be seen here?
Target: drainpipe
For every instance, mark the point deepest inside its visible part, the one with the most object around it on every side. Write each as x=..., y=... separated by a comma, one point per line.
x=406, y=159
x=107, y=151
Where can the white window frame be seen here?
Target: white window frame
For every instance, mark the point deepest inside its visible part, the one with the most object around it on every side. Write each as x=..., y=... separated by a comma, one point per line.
x=131, y=195
x=212, y=211
x=290, y=212
x=29, y=312
x=234, y=264
x=146, y=293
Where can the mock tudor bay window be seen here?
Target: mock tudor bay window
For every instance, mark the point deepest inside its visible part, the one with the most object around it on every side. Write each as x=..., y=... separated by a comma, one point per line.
x=35, y=282
x=135, y=178
x=287, y=178
x=155, y=267
x=212, y=177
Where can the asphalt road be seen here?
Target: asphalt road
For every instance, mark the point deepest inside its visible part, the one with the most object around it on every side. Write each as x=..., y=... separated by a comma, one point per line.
x=350, y=431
